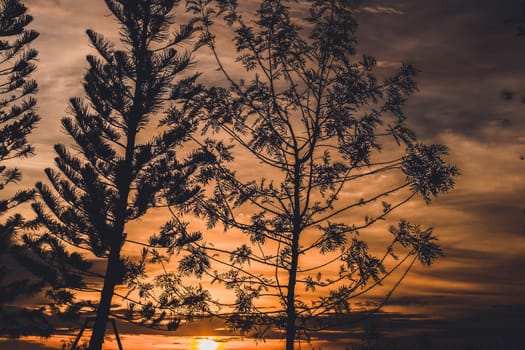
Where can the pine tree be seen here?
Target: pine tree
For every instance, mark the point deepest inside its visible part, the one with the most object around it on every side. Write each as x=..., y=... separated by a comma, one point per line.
x=17, y=120
x=335, y=157
x=112, y=177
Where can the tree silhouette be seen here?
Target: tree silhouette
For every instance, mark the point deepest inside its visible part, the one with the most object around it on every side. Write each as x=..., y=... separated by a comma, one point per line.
x=126, y=135
x=17, y=120
x=314, y=119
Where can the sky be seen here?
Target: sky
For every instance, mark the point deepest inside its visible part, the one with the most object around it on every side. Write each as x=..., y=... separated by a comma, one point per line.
x=466, y=56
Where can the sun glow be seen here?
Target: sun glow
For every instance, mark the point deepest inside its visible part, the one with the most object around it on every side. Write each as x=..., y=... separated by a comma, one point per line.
x=206, y=344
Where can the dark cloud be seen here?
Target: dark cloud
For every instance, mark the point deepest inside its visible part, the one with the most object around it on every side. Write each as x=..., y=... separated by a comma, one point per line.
x=502, y=213
x=489, y=274
x=466, y=53
x=14, y=344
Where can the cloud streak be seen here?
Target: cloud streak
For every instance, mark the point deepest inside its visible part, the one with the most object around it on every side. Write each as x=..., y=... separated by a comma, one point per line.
x=380, y=10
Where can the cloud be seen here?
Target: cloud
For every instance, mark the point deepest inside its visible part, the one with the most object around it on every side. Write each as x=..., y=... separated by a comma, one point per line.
x=466, y=55
x=388, y=64
x=381, y=10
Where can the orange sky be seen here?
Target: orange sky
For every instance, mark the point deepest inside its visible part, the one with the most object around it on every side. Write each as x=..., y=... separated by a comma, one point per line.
x=467, y=56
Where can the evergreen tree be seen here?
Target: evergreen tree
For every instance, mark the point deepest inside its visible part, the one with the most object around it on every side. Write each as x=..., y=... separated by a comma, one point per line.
x=315, y=119
x=17, y=120
x=136, y=117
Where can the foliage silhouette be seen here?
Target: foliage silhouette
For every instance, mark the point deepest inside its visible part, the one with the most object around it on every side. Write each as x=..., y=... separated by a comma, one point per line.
x=112, y=176
x=313, y=119
x=17, y=120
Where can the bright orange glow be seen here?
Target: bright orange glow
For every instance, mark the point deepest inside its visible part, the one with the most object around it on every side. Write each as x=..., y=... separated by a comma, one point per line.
x=206, y=344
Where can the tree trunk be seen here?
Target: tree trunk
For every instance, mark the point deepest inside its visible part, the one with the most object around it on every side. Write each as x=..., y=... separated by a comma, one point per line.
x=110, y=280
x=291, y=312
x=291, y=315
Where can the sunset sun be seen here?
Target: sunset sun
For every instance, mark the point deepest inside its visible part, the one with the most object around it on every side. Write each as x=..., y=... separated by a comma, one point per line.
x=206, y=344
